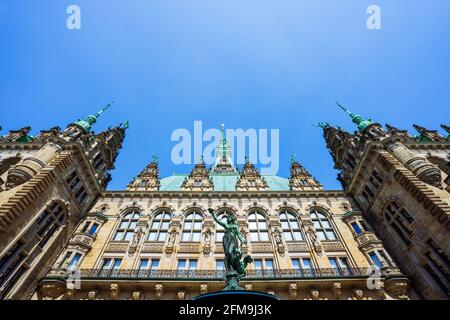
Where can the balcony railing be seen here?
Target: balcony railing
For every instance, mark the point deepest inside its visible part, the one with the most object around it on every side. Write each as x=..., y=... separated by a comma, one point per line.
x=219, y=274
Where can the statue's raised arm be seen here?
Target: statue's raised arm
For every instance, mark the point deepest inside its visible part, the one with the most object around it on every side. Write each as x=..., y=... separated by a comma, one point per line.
x=222, y=223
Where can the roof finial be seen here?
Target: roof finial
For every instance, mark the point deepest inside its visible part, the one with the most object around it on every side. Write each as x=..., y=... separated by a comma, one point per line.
x=351, y=114
x=356, y=118
x=125, y=125
x=293, y=156
x=104, y=109
x=322, y=125
x=155, y=157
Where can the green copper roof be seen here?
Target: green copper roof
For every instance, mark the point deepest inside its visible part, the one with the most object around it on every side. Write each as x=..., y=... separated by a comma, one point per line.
x=356, y=118
x=223, y=182
x=87, y=123
x=25, y=139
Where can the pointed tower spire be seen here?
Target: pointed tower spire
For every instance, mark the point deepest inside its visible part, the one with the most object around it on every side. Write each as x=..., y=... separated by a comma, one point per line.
x=86, y=124
x=125, y=125
x=223, y=163
x=356, y=118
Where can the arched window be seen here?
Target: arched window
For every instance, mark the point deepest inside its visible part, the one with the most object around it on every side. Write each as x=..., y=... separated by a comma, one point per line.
x=127, y=226
x=290, y=226
x=222, y=215
x=159, y=226
x=192, y=227
x=400, y=220
x=324, y=230
x=257, y=227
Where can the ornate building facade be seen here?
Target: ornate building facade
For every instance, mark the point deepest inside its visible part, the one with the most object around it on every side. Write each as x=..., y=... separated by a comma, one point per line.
x=384, y=236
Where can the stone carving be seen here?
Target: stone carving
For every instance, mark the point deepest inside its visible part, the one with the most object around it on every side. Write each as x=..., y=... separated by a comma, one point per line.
x=293, y=291
x=136, y=295
x=158, y=291
x=152, y=247
x=262, y=247
x=189, y=248
x=92, y=295
x=314, y=294
x=207, y=242
x=337, y=290
x=278, y=241
x=358, y=294
x=297, y=247
x=114, y=287
x=171, y=241
x=203, y=288
x=117, y=247
x=311, y=232
x=248, y=287
x=135, y=240
x=180, y=295
x=332, y=246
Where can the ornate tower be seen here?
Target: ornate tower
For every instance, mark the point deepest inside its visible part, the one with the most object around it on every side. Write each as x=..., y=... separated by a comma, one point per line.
x=224, y=162
x=300, y=178
x=198, y=179
x=147, y=179
x=401, y=184
x=250, y=179
x=47, y=183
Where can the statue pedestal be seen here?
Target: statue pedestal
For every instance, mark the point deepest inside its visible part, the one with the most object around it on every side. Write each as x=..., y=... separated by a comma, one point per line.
x=236, y=296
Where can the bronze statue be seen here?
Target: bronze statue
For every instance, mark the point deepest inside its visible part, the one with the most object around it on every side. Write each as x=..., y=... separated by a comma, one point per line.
x=232, y=241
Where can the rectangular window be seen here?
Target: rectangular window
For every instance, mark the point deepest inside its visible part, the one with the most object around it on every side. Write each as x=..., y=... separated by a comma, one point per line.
x=73, y=263
x=219, y=236
x=356, y=228
x=147, y=265
x=162, y=236
x=66, y=258
x=93, y=229
x=269, y=264
x=143, y=264
x=258, y=264
x=307, y=263
x=117, y=263
x=118, y=236
x=220, y=264
x=85, y=226
x=339, y=265
x=376, y=261
x=187, y=264
x=106, y=264
x=192, y=264
x=155, y=264
x=181, y=264
x=185, y=236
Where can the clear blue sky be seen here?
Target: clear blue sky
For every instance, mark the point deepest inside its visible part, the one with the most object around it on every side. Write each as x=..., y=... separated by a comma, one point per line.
x=247, y=63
